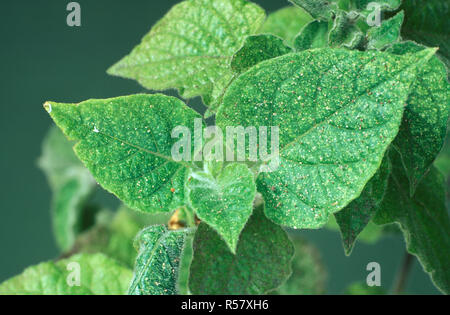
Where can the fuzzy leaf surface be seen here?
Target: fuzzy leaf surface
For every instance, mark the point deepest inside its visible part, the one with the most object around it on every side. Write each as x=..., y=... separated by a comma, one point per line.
x=423, y=129
x=423, y=219
x=344, y=33
x=313, y=35
x=224, y=202
x=262, y=261
x=354, y=218
x=337, y=112
x=158, y=261
x=386, y=34
x=319, y=9
x=126, y=144
x=258, y=48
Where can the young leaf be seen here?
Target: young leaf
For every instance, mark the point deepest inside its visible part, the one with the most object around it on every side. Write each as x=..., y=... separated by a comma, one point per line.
x=225, y=202
x=308, y=273
x=261, y=264
x=98, y=275
x=424, y=125
x=126, y=144
x=258, y=48
x=344, y=32
x=190, y=48
x=71, y=184
x=354, y=218
x=319, y=9
x=339, y=110
x=313, y=35
x=386, y=34
x=158, y=261
x=423, y=219
x=286, y=22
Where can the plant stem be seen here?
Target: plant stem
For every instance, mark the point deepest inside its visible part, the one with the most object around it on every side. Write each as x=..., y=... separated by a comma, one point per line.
x=402, y=277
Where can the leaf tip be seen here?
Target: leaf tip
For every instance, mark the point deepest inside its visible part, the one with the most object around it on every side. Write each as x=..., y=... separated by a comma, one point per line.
x=232, y=245
x=48, y=107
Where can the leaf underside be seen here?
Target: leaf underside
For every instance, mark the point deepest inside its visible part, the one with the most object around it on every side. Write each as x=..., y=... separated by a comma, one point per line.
x=423, y=129
x=387, y=34
x=158, y=261
x=354, y=218
x=423, y=219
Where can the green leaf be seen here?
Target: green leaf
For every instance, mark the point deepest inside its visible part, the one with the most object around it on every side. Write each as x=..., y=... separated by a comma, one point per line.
x=158, y=261
x=114, y=236
x=319, y=9
x=126, y=144
x=258, y=48
x=308, y=273
x=99, y=275
x=423, y=219
x=427, y=22
x=185, y=265
x=344, y=32
x=72, y=186
x=386, y=34
x=361, y=288
x=286, y=22
x=191, y=47
x=313, y=35
x=354, y=218
x=225, y=202
x=261, y=264
x=371, y=233
x=338, y=111
x=423, y=130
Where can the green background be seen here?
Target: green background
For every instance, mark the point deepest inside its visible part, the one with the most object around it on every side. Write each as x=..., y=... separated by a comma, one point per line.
x=41, y=58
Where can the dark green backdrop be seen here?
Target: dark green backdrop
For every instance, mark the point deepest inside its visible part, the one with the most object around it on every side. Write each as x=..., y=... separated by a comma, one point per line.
x=43, y=59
